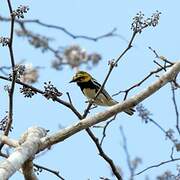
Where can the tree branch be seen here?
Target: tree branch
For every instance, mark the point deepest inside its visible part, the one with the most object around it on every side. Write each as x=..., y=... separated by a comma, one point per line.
x=104, y=129
x=111, y=111
x=11, y=90
x=56, y=99
x=49, y=170
x=10, y=142
x=131, y=169
x=30, y=143
x=140, y=82
x=157, y=165
x=28, y=171
x=175, y=107
x=72, y=35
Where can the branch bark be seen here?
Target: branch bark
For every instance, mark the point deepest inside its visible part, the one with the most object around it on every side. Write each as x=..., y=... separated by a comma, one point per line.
x=10, y=142
x=30, y=143
x=28, y=171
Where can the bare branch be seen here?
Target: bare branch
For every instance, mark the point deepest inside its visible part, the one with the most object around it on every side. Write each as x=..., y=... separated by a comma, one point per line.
x=140, y=82
x=104, y=129
x=3, y=68
x=69, y=97
x=68, y=105
x=157, y=165
x=30, y=143
x=49, y=170
x=145, y=114
x=104, y=155
x=28, y=170
x=160, y=57
x=165, y=132
x=175, y=107
x=111, y=33
x=131, y=169
x=10, y=142
x=11, y=90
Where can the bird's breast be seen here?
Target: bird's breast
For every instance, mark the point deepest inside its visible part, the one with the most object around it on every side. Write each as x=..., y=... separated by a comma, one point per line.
x=90, y=93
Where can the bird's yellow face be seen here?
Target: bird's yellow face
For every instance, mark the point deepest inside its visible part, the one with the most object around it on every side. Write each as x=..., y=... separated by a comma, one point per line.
x=80, y=77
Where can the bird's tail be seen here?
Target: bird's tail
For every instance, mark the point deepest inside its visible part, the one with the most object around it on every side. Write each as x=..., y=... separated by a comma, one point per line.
x=129, y=111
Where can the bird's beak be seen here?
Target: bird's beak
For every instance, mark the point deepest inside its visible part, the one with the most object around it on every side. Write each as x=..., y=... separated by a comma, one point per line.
x=73, y=80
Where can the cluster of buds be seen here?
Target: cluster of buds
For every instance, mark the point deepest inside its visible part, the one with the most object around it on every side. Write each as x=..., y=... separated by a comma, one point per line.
x=143, y=113
x=112, y=63
x=27, y=92
x=4, y=41
x=36, y=40
x=167, y=175
x=30, y=74
x=37, y=169
x=25, y=73
x=94, y=58
x=51, y=92
x=39, y=41
x=136, y=162
x=139, y=21
x=19, y=69
x=74, y=56
x=170, y=135
x=19, y=12
x=3, y=124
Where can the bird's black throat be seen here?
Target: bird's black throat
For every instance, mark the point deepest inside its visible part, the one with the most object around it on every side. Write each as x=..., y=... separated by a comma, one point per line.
x=89, y=84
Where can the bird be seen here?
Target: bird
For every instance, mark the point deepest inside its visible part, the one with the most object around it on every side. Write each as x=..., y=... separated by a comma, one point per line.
x=89, y=87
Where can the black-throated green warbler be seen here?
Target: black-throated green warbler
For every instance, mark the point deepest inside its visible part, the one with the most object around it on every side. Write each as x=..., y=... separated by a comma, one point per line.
x=89, y=86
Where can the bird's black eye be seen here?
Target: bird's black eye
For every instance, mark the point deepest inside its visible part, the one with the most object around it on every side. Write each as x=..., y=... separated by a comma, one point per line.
x=80, y=79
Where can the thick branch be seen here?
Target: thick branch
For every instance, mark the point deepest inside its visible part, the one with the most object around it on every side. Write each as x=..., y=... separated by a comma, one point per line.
x=10, y=142
x=28, y=171
x=30, y=145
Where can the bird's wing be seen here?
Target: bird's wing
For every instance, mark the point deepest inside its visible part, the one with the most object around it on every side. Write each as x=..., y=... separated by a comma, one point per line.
x=98, y=86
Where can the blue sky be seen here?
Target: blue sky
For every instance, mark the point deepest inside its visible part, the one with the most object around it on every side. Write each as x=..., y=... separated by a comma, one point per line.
x=77, y=157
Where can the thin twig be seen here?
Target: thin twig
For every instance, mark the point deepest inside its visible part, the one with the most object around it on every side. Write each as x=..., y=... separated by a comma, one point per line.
x=163, y=67
x=104, y=156
x=104, y=129
x=69, y=97
x=68, y=105
x=157, y=165
x=38, y=22
x=175, y=107
x=3, y=68
x=139, y=83
x=160, y=57
x=172, y=152
x=49, y=170
x=131, y=169
x=161, y=128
